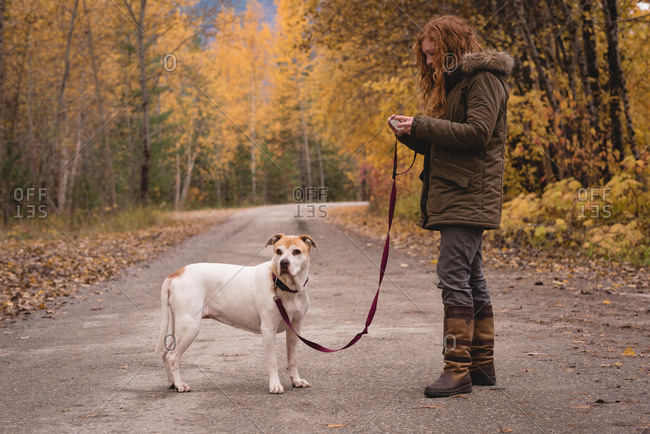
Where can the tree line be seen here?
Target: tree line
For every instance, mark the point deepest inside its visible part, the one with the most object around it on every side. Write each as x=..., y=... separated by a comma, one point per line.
x=182, y=104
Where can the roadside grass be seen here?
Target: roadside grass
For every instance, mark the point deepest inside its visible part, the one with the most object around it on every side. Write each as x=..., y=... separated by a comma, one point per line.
x=42, y=261
x=84, y=223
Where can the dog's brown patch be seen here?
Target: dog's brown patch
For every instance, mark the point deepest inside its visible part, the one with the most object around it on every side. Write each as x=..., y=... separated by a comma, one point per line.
x=292, y=240
x=177, y=273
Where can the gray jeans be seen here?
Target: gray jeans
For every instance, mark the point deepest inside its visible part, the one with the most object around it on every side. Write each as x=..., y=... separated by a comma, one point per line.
x=460, y=267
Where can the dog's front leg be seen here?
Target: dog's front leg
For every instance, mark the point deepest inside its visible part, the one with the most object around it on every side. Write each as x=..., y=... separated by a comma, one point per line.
x=268, y=337
x=292, y=355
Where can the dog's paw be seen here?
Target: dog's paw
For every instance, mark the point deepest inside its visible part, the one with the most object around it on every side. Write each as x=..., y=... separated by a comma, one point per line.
x=183, y=387
x=276, y=388
x=300, y=382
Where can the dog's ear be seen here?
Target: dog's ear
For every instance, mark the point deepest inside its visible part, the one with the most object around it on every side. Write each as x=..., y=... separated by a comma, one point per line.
x=274, y=239
x=309, y=240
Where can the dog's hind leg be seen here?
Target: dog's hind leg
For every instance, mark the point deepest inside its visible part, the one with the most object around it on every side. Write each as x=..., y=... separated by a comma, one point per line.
x=186, y=328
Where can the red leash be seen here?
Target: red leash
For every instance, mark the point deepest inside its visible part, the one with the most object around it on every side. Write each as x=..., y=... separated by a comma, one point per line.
x=384, y=261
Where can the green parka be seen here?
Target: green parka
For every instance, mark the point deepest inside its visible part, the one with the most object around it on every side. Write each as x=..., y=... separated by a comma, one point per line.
x=464, y=149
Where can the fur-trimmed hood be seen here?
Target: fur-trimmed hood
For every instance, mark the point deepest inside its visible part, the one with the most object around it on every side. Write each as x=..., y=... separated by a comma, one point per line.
x=498, y=62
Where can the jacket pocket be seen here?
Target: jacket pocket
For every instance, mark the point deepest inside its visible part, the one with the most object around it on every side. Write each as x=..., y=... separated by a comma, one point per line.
x=451, y=172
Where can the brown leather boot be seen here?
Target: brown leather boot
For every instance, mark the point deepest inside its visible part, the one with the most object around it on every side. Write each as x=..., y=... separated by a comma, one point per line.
x=455, y=377
x=482, y=349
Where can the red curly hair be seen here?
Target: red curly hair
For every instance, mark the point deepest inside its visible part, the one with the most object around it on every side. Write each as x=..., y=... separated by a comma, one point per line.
x=452, y=37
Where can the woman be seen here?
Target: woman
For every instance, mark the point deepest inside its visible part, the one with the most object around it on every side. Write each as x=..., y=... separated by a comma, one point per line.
x=462, y=135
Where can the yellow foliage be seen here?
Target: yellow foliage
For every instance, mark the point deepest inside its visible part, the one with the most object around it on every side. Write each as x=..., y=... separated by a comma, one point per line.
x=608, y=221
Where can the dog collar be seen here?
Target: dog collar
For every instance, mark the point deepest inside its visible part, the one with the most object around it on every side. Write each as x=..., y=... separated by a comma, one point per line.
x=277, y=283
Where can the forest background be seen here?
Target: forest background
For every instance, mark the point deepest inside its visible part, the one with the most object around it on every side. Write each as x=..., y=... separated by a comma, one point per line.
x=119, y=106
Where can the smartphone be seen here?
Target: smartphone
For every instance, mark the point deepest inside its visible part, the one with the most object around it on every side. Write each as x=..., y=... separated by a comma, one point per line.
x=395, y=123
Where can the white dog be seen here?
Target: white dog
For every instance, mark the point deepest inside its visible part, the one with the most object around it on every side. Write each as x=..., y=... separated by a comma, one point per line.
x=242, y=297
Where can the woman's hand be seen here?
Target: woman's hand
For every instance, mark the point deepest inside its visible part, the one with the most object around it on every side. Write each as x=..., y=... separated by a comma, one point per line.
x=404, y=126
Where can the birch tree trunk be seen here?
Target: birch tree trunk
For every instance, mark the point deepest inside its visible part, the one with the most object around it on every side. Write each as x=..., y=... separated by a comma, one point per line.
x=319, y=154
x=108, y=153
x=177, y=188
x=252, y=133
x=142, y=63
x=3, y=73
x=58, y=118
x=305, y=138
x=191, y=160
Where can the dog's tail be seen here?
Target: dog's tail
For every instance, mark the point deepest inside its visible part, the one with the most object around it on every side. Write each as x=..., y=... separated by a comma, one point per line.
x=166, y=312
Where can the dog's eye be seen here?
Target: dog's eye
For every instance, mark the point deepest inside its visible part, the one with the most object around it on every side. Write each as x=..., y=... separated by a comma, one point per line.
x=279, y=252
x=296, y=252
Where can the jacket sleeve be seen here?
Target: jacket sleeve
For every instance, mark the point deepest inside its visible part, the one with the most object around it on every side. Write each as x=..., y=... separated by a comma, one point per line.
x=484, y=99
x=417, y=145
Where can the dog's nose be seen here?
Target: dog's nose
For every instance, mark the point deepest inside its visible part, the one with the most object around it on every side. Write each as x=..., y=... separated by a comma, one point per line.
x=284, y=263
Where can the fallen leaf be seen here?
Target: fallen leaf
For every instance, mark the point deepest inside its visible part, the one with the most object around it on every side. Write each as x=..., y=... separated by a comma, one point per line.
x=336, y=425
x=628, y=352
x=607, y=302
x=539, y=354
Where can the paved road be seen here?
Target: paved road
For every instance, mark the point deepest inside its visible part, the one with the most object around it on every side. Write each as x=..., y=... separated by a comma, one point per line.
x=92, y=368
